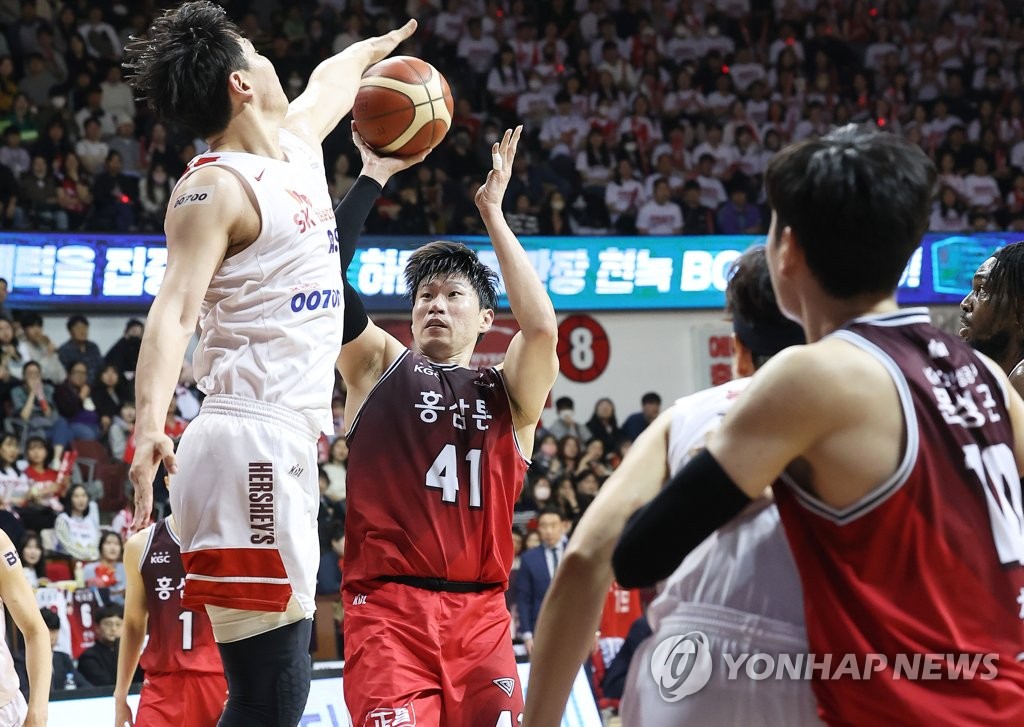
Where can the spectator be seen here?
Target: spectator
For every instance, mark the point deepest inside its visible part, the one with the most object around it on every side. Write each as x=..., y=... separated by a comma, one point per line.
x=594, y=163
x=118, y=100
x=53, y=60
x=38, y=347
x=737, y=216
x=565, y=422
x=93, y=109
x=73, y=399
x=981, y=189
x=127, y=145
x=522, y=220
x=23, y=116
x=74, y=195
x=949, y=213
x=116, y=195
x=14, y=487
x=33, y=560
x=12, y=154
x=100, y=38
x=664, y=169
x=603, y=425
x=154, y=193
x=660, y=216
x=121, y=430
x=98, y=663
x=124, y=354
x=8, y=86
x=650, y=407
x=92, y=151
x=46, y=486
x=623, y=197
x=79, y=348
x=554, y=217
x=336, y=469
x=697, y=219
x=593, y=460
x=108, y=572
x=712, y=191
x=37, y=415
x=568, y=456
x=505, y=82
x=65, y=675
x=78, y=527
x=37, y=197
x=545, y=450
x=536, y=569
x=108, y=395
x=564, y=133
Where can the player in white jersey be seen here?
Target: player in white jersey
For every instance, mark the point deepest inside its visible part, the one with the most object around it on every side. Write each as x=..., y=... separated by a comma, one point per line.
x=739, y=589
x=18, y=599
x=251, y=255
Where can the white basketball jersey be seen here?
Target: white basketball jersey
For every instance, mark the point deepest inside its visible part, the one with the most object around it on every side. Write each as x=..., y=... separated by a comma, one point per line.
x=745, y=565
x=9, y=681
x=272, y=317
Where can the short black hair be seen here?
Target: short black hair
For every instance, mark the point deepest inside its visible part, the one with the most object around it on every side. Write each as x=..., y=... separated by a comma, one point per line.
x=51, y=619
x=76, y=319
x=1006, y=283
x=181, y=67
x=564, y=402
x=858, y=201
x=31, y=318
x=551, y=510
x=111, y=610
x=750, y=300
x=442, y=259
x=651, y=397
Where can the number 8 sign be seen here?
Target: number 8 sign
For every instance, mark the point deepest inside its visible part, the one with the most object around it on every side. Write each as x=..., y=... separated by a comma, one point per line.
x=583, y=348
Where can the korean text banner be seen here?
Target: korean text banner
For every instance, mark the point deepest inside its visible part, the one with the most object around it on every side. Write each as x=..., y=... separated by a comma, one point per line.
x=65, y=271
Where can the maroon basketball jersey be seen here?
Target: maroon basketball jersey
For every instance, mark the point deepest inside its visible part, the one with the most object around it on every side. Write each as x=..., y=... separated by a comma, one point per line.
x=179, y=639
x=434, y=469
x=926, y=569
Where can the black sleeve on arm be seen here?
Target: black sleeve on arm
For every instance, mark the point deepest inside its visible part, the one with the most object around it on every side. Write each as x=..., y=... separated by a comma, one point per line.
x=696, y=502
x=350, y=215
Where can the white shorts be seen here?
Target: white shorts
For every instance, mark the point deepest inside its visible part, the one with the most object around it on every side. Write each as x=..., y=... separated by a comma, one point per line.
x=245, y=501
x=722, y=701
x=13, y=713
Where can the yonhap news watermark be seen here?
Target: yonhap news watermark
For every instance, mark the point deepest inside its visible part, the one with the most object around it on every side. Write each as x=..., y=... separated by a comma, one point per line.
x=683, y=665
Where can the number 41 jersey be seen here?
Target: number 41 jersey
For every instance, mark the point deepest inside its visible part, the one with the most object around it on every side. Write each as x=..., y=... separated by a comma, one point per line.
x=434, y=470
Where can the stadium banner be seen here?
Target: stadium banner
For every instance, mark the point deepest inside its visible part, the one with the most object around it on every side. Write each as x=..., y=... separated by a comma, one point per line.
x=124, y=272
x=325, y=705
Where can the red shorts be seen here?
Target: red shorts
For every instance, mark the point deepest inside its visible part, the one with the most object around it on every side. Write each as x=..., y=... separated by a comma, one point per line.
x=444, y=658
x=182, y=698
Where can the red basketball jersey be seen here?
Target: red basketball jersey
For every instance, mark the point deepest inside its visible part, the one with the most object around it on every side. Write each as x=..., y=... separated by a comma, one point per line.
x=179, y=639
x=929, y=562
x=434, y=469
x=83, y=603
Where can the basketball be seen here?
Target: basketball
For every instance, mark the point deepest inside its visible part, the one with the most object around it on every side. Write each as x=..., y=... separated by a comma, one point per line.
x=403, y=107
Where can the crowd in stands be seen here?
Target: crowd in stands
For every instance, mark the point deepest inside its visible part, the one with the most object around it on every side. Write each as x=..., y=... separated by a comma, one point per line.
x=642, y=116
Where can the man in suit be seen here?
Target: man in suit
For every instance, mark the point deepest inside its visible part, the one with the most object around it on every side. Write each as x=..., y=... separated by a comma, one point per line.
x=537, y=568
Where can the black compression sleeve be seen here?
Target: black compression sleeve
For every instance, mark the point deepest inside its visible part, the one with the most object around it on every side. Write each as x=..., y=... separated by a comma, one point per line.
x=350, y=216
x=696, y=502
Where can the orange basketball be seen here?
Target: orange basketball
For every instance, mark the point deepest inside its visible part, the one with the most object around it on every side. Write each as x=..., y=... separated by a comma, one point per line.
x=403, y=106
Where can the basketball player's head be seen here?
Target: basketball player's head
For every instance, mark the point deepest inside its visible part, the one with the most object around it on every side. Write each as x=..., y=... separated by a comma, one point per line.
x=759, y=329
x=849, y=208
x=194, y=67
x=991, y=319
x=453, y=298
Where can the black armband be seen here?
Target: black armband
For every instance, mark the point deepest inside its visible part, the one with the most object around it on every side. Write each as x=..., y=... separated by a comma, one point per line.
x=696, y=502
x=355, y=318
x=350, y=216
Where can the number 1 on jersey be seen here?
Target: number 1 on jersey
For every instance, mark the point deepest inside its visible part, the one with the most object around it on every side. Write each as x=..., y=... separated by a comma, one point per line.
x=444, y=475
x=186, y=630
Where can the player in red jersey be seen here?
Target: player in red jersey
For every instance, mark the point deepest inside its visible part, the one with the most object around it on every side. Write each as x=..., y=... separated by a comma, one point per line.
x=436, y=461
x=898, y=449
x=184, y=682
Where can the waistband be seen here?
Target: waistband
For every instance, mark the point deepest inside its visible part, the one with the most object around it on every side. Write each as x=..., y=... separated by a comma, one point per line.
x=243, y=408
x=726, y=622
x=438, y=584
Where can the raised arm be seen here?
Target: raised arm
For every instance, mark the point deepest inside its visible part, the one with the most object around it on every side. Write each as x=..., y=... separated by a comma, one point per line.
x=530, y=364
x=572, y=607
x=198, y=237
x=136, y=617
x=333, y=85
x=19, y=600
x=366, y=350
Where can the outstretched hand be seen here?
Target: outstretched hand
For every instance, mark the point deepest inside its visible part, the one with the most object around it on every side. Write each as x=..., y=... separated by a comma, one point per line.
x=381, y=168
x=503, y=153
x=380, y=47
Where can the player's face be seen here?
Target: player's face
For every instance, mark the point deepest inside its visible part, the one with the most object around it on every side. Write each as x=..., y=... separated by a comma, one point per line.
x=269, y=94
x=447, y=318
x=983, y=323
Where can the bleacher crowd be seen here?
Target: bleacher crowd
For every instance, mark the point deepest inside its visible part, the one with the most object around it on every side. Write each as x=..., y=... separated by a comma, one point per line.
x=642, y=116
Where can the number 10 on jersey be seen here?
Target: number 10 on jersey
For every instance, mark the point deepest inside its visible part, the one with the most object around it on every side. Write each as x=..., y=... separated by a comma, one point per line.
x=443, y=475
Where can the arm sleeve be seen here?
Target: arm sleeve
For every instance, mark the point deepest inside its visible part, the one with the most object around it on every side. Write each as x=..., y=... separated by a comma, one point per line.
x=696, y=502
x=350, y=215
